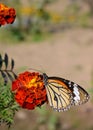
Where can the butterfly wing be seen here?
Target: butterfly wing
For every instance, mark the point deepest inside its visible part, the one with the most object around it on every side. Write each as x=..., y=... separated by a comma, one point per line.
x=62, y=94
x=80, y=95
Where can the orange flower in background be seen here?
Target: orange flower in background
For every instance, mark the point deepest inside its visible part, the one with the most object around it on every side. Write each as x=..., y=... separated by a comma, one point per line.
x=29, y=90
x=7, y=15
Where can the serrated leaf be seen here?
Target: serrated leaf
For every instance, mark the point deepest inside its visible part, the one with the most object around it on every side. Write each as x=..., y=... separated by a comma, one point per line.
x=6, y=60
x=1, y=61
x=4, y=77
x=10, y=76
x=12, y=64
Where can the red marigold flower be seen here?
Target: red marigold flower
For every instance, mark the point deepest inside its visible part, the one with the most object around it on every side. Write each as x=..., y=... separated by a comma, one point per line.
x=2, y=20
x=11, y=16
x=29, y=90
x=7, y=15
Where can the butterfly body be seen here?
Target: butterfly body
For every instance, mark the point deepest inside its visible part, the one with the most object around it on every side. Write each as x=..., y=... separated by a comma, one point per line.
x=62, y=93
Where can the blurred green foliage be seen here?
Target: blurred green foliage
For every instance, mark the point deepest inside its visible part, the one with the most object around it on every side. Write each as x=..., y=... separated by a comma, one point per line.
x=35, y=20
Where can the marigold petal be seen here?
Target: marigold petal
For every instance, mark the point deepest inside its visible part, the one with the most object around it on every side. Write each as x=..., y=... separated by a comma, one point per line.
x=29, y=106
x=30, y=90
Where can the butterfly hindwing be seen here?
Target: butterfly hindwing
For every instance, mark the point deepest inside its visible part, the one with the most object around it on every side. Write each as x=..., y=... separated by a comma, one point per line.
x=62, y=94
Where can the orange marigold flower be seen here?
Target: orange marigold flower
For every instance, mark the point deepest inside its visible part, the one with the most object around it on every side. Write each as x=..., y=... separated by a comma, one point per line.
x=7, y=15
x=29, y=90
x=2, y=20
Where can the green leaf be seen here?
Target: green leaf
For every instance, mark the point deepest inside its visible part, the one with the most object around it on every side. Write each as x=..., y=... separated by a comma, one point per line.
x=4, y=77
x=12, y=64
x=10, y=76
x=15, y=76
x=6, y=60
x=8, y=106
x=1, y=61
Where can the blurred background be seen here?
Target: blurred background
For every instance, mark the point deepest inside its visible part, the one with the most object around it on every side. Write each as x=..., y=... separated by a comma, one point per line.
x=56, y=37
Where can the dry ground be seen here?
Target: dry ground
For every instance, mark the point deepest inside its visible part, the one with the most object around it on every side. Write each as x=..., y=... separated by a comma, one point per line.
x=68, y=54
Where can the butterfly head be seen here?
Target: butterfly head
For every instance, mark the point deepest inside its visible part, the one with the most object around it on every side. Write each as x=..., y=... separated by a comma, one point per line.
x=45, y=79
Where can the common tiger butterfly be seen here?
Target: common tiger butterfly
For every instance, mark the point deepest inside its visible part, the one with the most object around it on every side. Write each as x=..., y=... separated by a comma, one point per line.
x=62, y=93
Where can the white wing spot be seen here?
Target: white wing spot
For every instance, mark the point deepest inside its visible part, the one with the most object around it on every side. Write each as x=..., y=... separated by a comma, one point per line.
x=69, y=83
x=76, y=92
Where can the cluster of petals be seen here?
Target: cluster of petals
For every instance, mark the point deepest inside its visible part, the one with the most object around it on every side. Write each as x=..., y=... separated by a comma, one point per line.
x=7, y=15
x=29, y=90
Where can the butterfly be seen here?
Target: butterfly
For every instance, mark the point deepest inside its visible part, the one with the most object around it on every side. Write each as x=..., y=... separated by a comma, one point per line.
x=62, y=93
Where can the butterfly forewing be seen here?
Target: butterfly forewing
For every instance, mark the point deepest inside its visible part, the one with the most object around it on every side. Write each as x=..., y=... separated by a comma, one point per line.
x=80, y=96
x=62, y=94
x=59, y=96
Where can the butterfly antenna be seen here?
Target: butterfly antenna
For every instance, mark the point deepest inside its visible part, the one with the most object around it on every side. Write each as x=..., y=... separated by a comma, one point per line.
x=36, y=70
